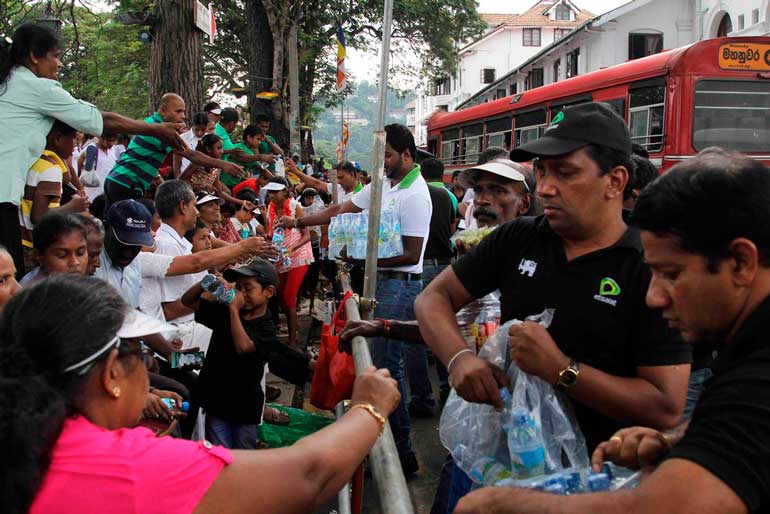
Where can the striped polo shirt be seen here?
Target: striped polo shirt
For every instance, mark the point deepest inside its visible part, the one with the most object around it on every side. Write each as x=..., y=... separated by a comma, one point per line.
x=46, y=176
x=138, y=166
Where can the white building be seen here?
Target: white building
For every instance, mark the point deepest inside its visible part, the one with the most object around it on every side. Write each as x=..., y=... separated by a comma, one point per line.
x=636, y=29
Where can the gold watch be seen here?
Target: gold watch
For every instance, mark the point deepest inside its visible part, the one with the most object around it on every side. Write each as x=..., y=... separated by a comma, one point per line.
x=568, y=376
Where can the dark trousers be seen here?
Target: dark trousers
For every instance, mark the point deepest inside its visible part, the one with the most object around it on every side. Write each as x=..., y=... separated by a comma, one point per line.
x=10, y=235
x=114, y=192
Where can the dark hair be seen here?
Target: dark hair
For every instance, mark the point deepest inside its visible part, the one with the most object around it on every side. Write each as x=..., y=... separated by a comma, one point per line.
x=59, y=127
x=455, y=173
x=199, y=224
x=259, y=118
x=229, y=114
x=207, y=141
x=200, y=118
x=96, y=208
x=170, y=194
x=248, y=195
x=91, y=224
x=210, y=106
x=149, y=204
x=643, y=173
x=400, y=138
x=228, y=209
x=252, y=130
x=29, y=38
x=707, y=202
x=346, y=166
x=492, y=153
x=53, y=225
x=38, y=340
x=608, y=158
x=432, y=169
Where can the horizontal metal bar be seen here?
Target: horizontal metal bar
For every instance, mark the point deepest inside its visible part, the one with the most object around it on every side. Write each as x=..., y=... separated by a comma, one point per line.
x=383, y=459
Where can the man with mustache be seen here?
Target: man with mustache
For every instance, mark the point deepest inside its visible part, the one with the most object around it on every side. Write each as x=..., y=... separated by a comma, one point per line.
x=612, y=355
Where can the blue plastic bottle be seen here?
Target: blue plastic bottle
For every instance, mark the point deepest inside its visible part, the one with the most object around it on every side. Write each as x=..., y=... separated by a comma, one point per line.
x=214, y=286
x=172, y=403
x=598, y=482
x=525, y=445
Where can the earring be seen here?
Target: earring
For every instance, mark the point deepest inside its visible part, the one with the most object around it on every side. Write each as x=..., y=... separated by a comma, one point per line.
x=116, y=392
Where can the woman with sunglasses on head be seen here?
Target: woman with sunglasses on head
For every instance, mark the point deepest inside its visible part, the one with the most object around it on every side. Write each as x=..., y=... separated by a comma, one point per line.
x=71, y=394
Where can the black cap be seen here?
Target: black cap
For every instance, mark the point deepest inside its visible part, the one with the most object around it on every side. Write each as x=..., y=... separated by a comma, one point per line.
x=259, y=268
x=575, y=127
x=131, y=222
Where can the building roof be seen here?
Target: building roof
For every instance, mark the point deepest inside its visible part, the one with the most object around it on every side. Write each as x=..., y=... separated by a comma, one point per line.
x=536, y=16
x=495, y=19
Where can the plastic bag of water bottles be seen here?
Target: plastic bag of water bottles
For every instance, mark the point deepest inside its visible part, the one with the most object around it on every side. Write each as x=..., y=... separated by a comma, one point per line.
x=351, y=230
x=535, y=435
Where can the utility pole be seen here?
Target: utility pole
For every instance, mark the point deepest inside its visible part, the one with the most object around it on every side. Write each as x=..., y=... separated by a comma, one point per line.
x=294, y=121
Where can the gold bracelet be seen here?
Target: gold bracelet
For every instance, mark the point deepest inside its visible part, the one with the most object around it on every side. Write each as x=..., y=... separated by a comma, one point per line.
x=368, y=407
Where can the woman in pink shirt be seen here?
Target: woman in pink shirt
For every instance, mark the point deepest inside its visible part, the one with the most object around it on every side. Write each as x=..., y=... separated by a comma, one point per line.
x=72, y=387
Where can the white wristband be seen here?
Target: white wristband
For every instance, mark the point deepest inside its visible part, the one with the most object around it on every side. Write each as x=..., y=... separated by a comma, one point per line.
x=451, y=361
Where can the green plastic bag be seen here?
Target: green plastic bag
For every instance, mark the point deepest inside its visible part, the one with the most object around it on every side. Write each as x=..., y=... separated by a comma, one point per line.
x=302, y=423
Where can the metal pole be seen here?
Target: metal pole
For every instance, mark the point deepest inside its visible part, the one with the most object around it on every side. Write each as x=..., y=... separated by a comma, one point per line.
x=294, y=89
x=386, y=467
x=378, y=167
x=343, y=497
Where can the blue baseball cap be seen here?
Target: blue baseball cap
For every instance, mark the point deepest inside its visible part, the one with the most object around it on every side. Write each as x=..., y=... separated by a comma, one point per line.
x=130, y=222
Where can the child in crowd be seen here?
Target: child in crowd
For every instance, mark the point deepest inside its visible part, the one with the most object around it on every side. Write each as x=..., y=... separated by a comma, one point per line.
x=60, y=247
x=206, y=179
x=252, y=138
x=192, y=137
x=43, y=189
x=244, y=338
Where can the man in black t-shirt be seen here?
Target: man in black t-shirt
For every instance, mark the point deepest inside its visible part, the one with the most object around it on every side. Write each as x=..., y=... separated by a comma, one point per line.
x=705, y=226
x=611, y=354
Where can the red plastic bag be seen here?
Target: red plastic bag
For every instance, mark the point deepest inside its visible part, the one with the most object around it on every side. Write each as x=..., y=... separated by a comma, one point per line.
x=335, y=371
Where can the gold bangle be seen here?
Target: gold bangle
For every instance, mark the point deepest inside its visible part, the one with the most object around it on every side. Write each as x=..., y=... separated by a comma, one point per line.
x=368, y=407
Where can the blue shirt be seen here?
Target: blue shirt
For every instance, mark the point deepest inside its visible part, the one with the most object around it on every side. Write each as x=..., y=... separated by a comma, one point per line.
x=28, y=106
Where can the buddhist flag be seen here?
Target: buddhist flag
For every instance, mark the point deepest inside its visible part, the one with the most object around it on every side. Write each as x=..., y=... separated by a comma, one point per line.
x=341, y=51
x=345, y=135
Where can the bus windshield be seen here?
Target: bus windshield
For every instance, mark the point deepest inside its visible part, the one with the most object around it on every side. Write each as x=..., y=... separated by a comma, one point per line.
x=732, y=114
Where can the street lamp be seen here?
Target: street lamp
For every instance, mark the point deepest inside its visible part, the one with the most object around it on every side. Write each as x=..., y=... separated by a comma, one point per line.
x=49, y=21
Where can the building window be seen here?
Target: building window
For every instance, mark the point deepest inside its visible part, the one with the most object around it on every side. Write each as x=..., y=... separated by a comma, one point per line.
x=500, y=93
x=642, y=45
x=534, y=79
x=755, y=16
x=725, y=26
x=560, y=33
x=531, y=37
x=487, y=75
x=441, y=86
x=741, y=22
x=563, y=12
x=556, y=70
x=512, y=89
x=572, y=62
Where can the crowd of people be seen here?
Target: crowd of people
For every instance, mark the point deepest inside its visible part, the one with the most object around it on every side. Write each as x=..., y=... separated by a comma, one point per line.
x=135, y=254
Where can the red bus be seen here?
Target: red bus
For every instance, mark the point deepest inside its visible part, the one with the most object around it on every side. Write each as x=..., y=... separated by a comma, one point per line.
x=711, y=93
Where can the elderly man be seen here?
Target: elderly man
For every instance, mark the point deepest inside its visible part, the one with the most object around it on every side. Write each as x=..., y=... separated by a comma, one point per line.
x=133, y=174
x=710, y=278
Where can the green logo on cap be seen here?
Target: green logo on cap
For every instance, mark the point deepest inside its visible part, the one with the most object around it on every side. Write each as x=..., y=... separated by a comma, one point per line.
x=558, y=118
x=608, y=287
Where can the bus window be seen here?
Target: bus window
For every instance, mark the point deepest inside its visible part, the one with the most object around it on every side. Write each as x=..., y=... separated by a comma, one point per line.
x=529, y=126
x=471, y=149
x=732, y=114
x=618, y=105
x=645, y=116
x=450, y=146
x=499, y=133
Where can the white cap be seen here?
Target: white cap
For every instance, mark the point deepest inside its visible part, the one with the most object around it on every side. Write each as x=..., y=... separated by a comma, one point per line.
x=209, y=198
x=138, y=324
x=503, y=167
x=216, y=111
x=274, y=186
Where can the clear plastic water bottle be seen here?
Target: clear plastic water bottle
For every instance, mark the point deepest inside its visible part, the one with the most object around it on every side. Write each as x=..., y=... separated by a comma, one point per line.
x=484, y=470
x=214, y=286
x=332, y=235
x=280, y=166
x=172, y=403
x=598, y=482
x=361, y=234
x=525, y=444
x=279, y=242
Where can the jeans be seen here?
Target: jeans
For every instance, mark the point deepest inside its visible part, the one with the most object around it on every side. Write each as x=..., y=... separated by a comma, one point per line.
x=417, y=357
x=395, y=300
x=235, y=436
x=698, y=379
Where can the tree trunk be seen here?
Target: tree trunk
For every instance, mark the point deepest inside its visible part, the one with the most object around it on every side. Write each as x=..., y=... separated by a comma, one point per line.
x=306, y=82
x=259, y=51
x=176, y=63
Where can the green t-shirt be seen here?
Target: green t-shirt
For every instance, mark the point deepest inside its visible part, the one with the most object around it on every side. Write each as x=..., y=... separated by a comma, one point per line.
x=265, y=148
x=227, y=143
x=138, y=166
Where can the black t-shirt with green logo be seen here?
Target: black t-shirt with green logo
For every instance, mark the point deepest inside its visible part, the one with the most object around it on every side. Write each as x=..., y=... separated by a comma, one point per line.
x=600, y=318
